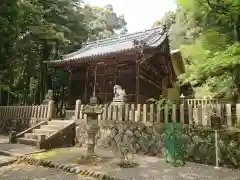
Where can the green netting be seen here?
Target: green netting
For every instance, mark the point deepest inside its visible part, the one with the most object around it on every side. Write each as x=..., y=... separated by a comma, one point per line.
x=174, y=143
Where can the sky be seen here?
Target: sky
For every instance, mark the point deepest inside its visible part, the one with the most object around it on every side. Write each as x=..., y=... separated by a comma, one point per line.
x=139, y=14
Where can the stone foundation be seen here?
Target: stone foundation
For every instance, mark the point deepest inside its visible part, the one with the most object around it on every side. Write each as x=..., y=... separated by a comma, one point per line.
x=201, y=147
x=136, y=137
x=147, y=139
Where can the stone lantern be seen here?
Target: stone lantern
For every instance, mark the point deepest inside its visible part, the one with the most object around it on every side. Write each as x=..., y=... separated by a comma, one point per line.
x=92, y=111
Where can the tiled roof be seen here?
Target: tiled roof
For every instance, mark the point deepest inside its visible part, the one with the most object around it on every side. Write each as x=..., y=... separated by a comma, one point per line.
x=151, y=38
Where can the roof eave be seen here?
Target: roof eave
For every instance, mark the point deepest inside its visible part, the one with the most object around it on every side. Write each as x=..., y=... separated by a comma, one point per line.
x=88, y=58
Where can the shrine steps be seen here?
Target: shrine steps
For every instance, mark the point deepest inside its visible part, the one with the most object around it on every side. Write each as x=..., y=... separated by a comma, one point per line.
x=49, y=134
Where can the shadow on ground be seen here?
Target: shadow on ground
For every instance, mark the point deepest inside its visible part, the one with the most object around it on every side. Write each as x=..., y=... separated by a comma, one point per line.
x=149, y=167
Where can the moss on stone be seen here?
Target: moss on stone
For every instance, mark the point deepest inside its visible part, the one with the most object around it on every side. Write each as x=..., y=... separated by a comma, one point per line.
x=51, y=153
x=90, y=160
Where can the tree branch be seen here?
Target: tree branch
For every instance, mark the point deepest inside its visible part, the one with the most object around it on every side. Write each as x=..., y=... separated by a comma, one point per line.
x=217, y=7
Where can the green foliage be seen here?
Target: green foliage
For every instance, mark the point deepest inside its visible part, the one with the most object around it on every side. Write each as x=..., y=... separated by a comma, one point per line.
x=222, y=62
x=208, y=34
x=35, y=31
x=168, y=20
x=201, y=147
x=162, y=101
x=103, y=22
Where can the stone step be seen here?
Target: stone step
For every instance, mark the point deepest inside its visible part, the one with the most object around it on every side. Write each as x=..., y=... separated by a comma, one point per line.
x=60, y=122
x=46, y=132
x=31, y=136
x=52, y=127
x=32, y=142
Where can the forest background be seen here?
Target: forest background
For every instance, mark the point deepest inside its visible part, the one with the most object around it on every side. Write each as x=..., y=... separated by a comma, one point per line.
x=32, y=31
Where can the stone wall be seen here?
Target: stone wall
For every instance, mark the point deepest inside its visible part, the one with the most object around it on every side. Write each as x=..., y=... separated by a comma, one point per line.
x=134, y=137
x=147, y=139
x=201, y=147
x=14, y=124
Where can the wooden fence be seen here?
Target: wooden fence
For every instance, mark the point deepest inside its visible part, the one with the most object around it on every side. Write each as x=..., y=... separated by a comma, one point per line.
x=186, y=113
x=189, y=114
x=196, y=102
x=29, y=112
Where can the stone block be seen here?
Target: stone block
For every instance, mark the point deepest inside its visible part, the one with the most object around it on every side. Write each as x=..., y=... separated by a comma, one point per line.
x=41, y=141
x=13, y=137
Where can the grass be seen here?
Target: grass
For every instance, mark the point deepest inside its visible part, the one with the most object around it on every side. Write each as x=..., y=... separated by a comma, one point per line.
x=64, y=152
x=51, y=153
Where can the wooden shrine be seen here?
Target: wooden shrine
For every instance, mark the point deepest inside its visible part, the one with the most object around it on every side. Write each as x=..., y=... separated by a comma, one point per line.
x=140, y=63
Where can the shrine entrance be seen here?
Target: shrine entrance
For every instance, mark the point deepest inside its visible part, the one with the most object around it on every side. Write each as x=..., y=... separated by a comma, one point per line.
x=105, y=80
x=137, y=62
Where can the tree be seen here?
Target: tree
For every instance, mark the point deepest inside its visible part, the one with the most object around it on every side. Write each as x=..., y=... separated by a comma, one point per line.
x=221, y=15
x=35, y=31
x=103, y=22
x=182, y=28
x=214, y=56
x=168, y=20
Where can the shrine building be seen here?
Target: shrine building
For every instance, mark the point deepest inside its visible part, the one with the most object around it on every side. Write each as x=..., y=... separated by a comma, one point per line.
x=140, y=63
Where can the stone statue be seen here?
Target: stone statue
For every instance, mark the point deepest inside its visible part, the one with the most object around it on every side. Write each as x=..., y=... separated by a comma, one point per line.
x=48, y=96
x=119, y=92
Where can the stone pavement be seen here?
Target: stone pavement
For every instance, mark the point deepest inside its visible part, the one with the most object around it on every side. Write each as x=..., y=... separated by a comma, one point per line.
x=3, y=139
x=7, y=150
x=151, y=168
x=5, y=160
x=27, y=172
x=18, y=149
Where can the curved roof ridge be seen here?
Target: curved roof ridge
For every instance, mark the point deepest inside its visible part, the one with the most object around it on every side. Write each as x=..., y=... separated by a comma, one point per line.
x=151, y=37
x=118, y=37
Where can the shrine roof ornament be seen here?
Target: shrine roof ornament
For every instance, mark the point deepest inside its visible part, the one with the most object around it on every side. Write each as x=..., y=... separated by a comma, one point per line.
x=151, y=38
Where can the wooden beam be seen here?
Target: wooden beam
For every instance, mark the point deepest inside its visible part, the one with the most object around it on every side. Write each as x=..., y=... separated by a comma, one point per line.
x=147, y=65
x=153, y=78
x=150, y=82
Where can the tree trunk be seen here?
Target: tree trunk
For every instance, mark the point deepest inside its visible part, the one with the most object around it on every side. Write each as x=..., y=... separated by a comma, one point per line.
x=43, y=86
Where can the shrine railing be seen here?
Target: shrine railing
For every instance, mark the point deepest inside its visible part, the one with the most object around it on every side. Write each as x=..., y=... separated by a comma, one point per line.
x=186, y=114
x=196, y=102
x=44, y=112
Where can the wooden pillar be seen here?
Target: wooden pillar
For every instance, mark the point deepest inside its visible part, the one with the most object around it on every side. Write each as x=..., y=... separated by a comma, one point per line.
x=115, y=75
x=85, y=86
x=69, y=85
x=0, y=96
x=137, y=81
x=164, y=86
x=106, y=85
x=8, y=98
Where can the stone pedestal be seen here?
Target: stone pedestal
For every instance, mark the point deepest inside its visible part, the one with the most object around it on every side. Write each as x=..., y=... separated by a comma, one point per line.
x=91, y=131
x=118, y=101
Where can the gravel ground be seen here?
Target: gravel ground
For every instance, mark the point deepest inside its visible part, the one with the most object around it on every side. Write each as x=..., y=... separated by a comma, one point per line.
x=27, y=172
x=151, y=168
